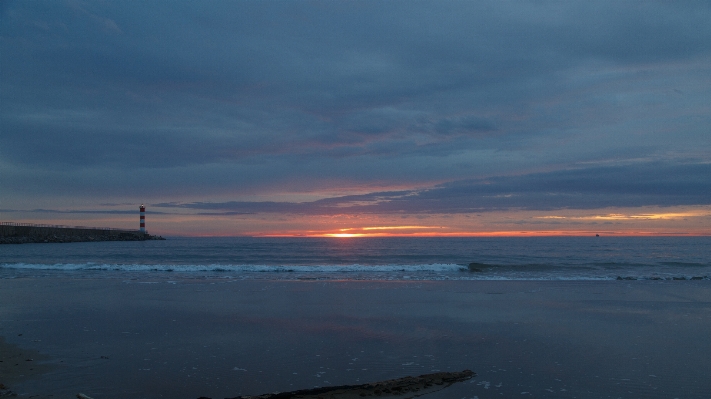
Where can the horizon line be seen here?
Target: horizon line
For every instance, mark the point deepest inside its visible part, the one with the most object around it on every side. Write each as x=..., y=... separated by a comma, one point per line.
x=512, y=234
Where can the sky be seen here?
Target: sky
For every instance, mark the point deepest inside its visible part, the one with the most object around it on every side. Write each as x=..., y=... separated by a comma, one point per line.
x=350, y=118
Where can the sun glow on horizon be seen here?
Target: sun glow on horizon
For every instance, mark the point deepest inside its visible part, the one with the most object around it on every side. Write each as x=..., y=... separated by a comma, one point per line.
x=484, y=234
x=643, y=221
x=341, y=235
x=392, y=228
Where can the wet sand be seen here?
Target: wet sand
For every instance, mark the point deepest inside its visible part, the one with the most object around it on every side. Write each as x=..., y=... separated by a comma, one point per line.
x=17, y=364
x=161, y=338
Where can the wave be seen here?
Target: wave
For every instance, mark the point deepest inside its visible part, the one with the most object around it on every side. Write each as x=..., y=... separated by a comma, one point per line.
x=472, y=271
x=238, y=268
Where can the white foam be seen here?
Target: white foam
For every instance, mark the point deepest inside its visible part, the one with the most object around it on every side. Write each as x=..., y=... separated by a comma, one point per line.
x=434, y=271
x=356, y=268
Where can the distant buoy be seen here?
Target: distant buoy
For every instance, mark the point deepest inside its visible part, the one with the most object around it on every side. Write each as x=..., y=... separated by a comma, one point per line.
x=143, y=219
x=597, y=235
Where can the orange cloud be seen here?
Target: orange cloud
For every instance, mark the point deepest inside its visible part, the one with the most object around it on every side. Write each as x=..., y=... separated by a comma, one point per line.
x=642, y=216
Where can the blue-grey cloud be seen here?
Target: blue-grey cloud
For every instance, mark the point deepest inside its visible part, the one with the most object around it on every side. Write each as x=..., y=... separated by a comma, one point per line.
x=184, y=99
x=586, y=188
x=80, y=212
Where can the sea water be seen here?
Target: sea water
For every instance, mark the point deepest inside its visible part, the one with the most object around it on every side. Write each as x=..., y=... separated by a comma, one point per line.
x=538, y=317
x=525, y=258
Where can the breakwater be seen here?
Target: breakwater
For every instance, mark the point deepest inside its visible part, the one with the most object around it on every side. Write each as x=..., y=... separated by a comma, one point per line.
x=22, y=233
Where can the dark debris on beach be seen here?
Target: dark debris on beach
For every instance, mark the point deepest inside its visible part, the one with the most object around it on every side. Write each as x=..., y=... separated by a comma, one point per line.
x=405, y=387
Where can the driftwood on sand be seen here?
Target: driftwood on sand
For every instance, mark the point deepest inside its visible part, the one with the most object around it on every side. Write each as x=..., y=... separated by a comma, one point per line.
x=406, y=387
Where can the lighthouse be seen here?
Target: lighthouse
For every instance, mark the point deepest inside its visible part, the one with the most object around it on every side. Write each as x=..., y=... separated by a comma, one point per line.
x=143, y=219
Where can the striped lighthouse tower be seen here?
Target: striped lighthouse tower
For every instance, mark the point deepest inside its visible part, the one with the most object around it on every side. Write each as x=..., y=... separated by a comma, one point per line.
x=143, y=219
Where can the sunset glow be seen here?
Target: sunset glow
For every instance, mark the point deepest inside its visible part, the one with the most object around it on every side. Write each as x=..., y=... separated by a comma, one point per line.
x=646, y=221
x=340, y=235
x=499, y=234
x=391, y=228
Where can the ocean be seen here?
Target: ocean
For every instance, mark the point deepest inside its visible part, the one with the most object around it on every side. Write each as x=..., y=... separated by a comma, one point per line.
x=526, y=258
x=534, y=317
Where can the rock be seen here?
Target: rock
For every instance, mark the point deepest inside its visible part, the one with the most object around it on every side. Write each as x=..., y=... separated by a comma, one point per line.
x=406, y=387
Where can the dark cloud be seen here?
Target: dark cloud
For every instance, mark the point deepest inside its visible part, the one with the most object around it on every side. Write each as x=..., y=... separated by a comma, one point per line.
x=589, y=188
x=465, y=125
x=81, y=212
x=187, y=99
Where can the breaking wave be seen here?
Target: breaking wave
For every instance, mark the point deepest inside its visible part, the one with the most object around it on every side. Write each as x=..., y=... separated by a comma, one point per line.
x=239, y=268
x=472, y=271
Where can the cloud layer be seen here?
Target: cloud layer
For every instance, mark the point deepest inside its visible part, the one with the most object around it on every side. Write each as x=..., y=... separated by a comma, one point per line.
x=377, y=107
x=591, y=188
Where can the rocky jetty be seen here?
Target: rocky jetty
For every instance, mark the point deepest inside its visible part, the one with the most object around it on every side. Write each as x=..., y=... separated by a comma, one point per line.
x=75, y=238
x=23, y=233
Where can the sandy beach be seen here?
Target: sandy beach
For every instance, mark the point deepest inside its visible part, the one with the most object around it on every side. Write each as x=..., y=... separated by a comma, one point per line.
x=162, y=338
